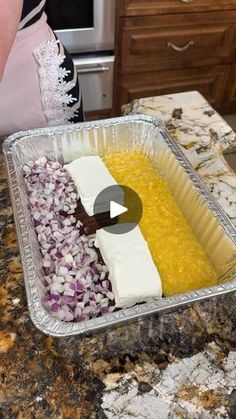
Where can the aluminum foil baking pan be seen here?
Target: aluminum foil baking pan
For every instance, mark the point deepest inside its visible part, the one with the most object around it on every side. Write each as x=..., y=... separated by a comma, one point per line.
x=208, y=220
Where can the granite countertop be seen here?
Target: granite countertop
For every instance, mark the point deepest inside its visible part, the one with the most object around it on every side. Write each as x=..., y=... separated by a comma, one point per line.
x=202, y=135
x=174, y=365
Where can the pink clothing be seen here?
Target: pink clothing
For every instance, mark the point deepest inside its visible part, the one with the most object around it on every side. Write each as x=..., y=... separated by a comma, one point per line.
x=40, y=83
x=20, y=97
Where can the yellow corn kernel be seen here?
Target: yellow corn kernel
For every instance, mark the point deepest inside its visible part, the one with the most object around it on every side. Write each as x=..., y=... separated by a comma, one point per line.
x=180, y=259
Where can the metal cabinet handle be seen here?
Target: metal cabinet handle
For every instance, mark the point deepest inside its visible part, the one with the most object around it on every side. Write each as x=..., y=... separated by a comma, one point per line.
x=84, y=69
x=186, y=1
x=180, y=49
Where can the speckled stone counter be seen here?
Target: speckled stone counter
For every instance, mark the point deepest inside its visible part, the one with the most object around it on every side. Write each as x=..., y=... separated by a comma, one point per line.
x=174, y=365
x=202, y=135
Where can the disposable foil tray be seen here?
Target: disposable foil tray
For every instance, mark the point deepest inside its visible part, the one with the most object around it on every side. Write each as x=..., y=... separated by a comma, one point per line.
x=140, y=133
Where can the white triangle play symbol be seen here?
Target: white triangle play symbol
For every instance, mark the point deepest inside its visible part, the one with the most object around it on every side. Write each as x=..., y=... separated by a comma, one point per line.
x=116, y=209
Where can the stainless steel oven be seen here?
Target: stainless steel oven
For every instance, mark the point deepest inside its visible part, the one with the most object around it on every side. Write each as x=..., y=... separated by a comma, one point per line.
x=96, y=81
x=87, y=30
x=83, y=25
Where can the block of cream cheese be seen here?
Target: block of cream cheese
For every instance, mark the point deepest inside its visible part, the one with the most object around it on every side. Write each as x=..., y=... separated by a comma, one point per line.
x=91, y=177
x=132, y=272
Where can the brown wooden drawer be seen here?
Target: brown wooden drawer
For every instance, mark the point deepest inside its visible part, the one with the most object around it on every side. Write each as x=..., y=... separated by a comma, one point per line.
x=177, y=40
x=229, y=100
x=153, y=7
x=99, y=114
x=210, y=81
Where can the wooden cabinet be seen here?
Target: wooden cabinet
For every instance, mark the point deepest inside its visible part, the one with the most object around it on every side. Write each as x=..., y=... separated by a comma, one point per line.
x=211, y=82
x=229, y=99
x=165, y=41
x=155, y=7
x=170, y=46
x=95, y=115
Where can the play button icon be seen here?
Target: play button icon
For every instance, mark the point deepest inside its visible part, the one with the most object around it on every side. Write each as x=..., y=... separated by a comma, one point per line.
x=118, y=209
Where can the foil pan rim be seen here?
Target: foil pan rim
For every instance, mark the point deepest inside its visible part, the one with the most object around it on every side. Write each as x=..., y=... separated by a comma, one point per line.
x=8, y=142
x=40, y=317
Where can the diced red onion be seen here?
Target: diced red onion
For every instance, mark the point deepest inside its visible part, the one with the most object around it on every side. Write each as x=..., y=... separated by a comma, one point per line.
x=110, y=295
x=76, y=287
x=105, y=283
x=55, y=307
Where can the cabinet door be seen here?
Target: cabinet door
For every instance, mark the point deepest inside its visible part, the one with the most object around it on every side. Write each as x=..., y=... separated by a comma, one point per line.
x=175, y=41
x=229, y=101
x=153, y=7
x=209, y=81
x=99, y=114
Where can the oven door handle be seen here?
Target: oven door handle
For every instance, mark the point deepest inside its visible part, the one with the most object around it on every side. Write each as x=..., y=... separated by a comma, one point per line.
x=85, y=69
